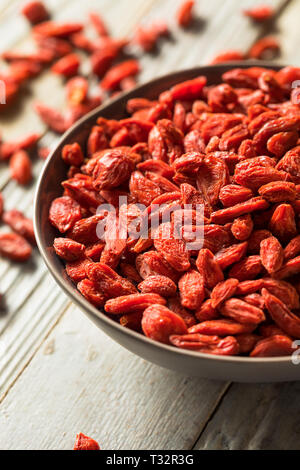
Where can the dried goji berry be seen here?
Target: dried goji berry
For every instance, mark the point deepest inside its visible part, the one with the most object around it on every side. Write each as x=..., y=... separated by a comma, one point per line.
x=173, y=249
x=20, y=167
x=68, y=249
x=184, y=14
x=283, y=290
x=222, y=327
x=207, y=312
x=117, y=73
x=133, y=303
x=292, y=249
x=265, y=48
x=278, y=191
x=233, y=194
x=240, y=311
x=242, y=227
x=174, y=304
x=189, y=90
x=19, y=224
x=223, y=291
x=255, y=240
x=77, y=90
x=228, y=56
x=223, y=216
x=35, y=12
x=247, y=342
x=160, y=285
x=282, y=223
x=64, y=213
x=72, y=154
x=289, y=269
x=274, y=346
x=246, y=269
x=260, y=13
x=153, y=263
x=159, y=323
x=85, y=443
x=53, y=118
x=271, y=253
x=191, y=289
x=99, y=24
x=67, y=65
x=14, y=247
x=50, y=29
x=209, y=268
x=280, y=143
x=282, y=316
x=231, y=255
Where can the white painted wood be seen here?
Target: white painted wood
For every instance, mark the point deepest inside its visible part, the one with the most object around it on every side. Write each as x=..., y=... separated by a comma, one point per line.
x=254, y=417
x=90, y=384
x=81, y=380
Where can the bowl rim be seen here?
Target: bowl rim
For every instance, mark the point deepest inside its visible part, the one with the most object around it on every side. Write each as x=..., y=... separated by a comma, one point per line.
x=71, y=291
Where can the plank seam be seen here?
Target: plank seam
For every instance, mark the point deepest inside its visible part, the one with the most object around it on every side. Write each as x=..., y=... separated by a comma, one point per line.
x=218, y=404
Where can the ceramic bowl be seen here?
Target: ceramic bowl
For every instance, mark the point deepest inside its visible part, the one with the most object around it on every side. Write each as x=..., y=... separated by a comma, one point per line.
x=240, y=369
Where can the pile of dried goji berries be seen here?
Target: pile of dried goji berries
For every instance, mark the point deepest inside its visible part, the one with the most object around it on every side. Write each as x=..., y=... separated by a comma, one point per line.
x=231, y=149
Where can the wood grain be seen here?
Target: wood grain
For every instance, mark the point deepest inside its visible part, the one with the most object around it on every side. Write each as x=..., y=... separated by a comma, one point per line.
x=79, y=380
x=92, y=385
x=254, y=417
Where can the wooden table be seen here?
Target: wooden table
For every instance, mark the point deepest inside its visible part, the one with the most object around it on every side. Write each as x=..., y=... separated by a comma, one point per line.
x=59, y=374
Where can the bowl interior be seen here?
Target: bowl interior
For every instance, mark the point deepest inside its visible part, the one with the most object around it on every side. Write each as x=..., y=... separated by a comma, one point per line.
x=54, y=172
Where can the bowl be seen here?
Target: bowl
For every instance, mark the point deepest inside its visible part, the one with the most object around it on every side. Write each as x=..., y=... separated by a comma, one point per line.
x=239, y=369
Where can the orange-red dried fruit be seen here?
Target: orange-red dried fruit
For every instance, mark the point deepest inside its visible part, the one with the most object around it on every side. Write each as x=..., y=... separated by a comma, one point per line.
x=20, y=167
x=282, y=223
x=117, y=73
x=207, y=344
x=209, y=268
x=64, y=213
x=67, y=65
x=191, y=289
x=260, y=13
x=19, y=224
x=159, y=323
x=271, y=254
x=282, y=316
x=133, y=303
x=242, y=312
x=242, y=227
x=14, y=247
x=228, y=56
x=68, y=249
x=222, y=327
x=231, y=255
x=99, y=24
x=184, y=14
x=274, y=346
x=265, y=48
x=72, y=154
x=233, y=194
x=278, y=191
x=35, y=12
x=246, y=269
x=85, y=443
x=223, y=291
x=173, y=249
x=158, y=284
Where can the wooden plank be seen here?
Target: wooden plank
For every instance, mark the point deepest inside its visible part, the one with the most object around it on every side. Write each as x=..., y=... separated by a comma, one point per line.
x=254, y=417
x=288, y=22
x=91, y=384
